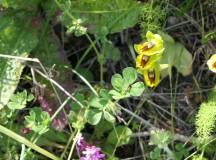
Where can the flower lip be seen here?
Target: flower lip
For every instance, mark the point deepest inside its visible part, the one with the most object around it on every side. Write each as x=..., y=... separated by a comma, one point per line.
x=144, y=60
x=151, y=75
x=148, y=46
x=153, y=45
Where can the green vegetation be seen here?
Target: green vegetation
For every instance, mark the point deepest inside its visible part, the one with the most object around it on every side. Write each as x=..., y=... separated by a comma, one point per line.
x=107, y=79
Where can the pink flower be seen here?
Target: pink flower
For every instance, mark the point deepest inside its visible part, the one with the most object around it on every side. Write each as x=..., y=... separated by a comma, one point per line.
x=60, y=121
x=81, y=143
x=92, y=153
x=88, y=152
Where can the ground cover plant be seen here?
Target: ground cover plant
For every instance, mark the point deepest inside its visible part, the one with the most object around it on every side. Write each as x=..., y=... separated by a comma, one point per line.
x=107, y=79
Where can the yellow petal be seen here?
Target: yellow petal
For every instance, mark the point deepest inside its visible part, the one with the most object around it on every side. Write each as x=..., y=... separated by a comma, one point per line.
x=152, y=76
x=144, y=62
x=212, y=63
x=143, y=47
x=154, y=45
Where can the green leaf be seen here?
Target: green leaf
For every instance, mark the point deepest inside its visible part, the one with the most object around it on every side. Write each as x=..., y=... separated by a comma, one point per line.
x=97, y=102
x=104, y=16
x=181, y=151
x=176, y=55
x=109, y=117
x=75, y=106
x=20, y=4
x=53, y=135
x=30, y=97
x=199, y=157
x=38, y=120
x=129, y=75
x=119, y=136
x=77, y=119
x=101, y=128
x=19, y=100
x=137, y=89
x=160, y=138
x=17, y=38
x=86, y=73
x=110, y=51
x=122, y=85
x=93, y=116
x=104, y=93
x=155, y=154
x=76, y=28
x=117, y=82
x=116, y=95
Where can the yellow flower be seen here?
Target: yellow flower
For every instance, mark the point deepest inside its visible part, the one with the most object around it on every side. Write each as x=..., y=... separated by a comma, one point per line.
x=212, y=63
x=154, y=45
x=152, y=76
x=144, y=62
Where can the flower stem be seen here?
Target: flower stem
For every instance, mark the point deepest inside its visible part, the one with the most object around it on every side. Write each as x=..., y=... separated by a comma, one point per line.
x=73, y=145
x=66, y=147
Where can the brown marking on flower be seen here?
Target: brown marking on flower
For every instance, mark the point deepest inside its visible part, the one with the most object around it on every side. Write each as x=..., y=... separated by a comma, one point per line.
x=151, y=75
x=148, y=46
x=214, y=65
x=144, y=60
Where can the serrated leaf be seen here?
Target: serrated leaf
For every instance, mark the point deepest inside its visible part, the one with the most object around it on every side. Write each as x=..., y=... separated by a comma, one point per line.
x=18, y=100
x=137, y=89
x=93, y=116
x=119, y=136
x=129, y=75
x=38, y=120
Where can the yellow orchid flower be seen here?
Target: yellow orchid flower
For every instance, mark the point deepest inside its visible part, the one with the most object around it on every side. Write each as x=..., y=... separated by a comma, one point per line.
x=212, y=63
x=153, y=45
x=152, y=76
x=144, y=62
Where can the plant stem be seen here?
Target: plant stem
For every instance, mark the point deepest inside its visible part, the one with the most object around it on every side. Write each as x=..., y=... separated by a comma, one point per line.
x=73, y=145
x=84, y=80
x=66, y=147
x=60, y=108
x=22, y=154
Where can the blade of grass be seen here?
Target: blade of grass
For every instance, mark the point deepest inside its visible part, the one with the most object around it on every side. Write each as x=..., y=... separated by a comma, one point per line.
x=26, y=142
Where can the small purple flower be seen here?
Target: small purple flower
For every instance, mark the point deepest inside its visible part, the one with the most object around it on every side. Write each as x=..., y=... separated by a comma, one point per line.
x=60, y=121
x=81, y=143
x=45, y=105
x=88, y=152
x=92, y=153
